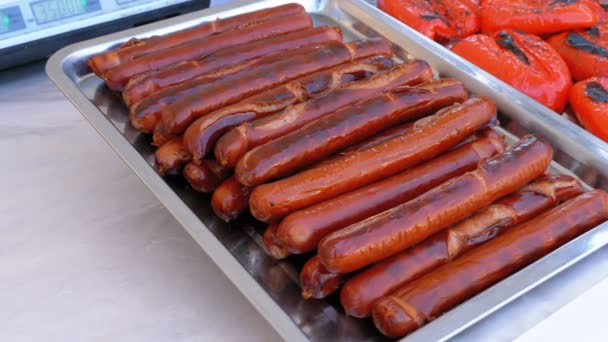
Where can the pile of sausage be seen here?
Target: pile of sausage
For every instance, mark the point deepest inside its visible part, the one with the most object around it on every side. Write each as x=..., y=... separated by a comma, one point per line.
x=537, y=46
x=394, y=178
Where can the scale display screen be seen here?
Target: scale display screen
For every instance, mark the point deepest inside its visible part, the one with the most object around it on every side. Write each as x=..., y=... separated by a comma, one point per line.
x=50, y=10
x=11, y=20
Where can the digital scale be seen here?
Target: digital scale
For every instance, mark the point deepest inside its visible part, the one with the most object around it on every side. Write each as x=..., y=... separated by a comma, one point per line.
x=34, y=29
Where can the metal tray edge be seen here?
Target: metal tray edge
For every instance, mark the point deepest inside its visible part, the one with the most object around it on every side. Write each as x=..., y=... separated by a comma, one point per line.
x=237, y=274
x=440, y=329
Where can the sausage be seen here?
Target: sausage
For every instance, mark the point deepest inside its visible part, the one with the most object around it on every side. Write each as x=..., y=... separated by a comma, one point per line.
x=146, y=83
x=226, y=86
x=363, y=289
x=433, y=136
x=405, y=225
x=336, y=131
x=230, y=199
x=171, y=156
x=302, y=230
x=273, y=247
x=134, y=47
x=202, y=133
x=117, y=77
x=234, y=144
x=206, y=176
x=417, y=303
x=270, y=72
x=316, y=281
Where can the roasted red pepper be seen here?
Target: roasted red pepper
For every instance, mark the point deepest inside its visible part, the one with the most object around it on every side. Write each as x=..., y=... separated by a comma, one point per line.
x=589, y=100
x=522, y=60
x=585, y=51
x=537, y=16
x=601, y=9
x=441, y=20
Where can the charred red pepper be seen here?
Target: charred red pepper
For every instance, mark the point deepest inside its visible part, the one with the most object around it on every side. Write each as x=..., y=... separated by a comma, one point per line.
x=589, y=100
x=441, y=20
x=585, y=51
x=601, y=9
x=522, y=60
x=537, y=16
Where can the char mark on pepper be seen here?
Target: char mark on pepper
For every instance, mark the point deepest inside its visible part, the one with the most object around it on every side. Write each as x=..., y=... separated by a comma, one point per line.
x=579, y=42
x=596, y=92
x=507, y=41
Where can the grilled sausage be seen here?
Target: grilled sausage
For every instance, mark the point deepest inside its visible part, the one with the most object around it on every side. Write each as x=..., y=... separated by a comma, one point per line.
x=230, y=199
x=171, y=156
x=142, y=85
x=270, y=72
x=117, y=77
x=417, y=303
x=363, y=289
x=273, y=247
x=134, y=48
x=431, y=137
x=405, y=225
x=225, y=87
x=202, y=133
x=302, y=230
x=234, y=144
x=334, y=132
x=316, y=281
x=206, y=176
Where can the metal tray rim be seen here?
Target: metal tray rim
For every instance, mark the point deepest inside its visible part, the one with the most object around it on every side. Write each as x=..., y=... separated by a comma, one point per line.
x=441, y=328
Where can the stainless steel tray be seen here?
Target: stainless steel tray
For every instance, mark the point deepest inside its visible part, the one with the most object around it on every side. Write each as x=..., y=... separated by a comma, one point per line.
x=272, y=286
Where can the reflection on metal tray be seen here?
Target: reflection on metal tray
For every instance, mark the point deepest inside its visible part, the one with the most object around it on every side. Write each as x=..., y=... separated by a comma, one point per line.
x=272, y=286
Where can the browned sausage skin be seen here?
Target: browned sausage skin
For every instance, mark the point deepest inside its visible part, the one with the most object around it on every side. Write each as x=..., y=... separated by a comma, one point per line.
x=134, y=48
x=117, y=77
x=363, y=289
x=142, y=85
x=405, y=225
x=206, y=176
x=234, y=144
x=226, y=86
x=230, y=199
x=201, y=135
x=171, y=156
x=430, y=137
x=276, y=69
x=316, y=282
x=302, y=230
x=336, y=131
x=273, y=247
x=417, y=303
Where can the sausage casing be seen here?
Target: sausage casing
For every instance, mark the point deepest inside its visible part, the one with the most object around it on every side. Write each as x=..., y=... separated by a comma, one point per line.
x=171, y=156
x=230, y=199
x=146, y=83
x=274, y=70
x=205, y=176
x=134, y=48
x=273, y=247
x=302, y=230
x=202, y=133
x=117, y=77
x=430, y=137
x=405, y=225
x=316, y=281
x=363, y=289
x=336, y=131
x=234, y=144
x=415, y=304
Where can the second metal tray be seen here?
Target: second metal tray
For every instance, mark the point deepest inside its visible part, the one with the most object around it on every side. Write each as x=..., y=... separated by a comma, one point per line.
x=272, y=286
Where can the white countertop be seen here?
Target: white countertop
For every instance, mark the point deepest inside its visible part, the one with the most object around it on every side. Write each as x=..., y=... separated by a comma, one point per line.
x=88, y=253
x=86, y=250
